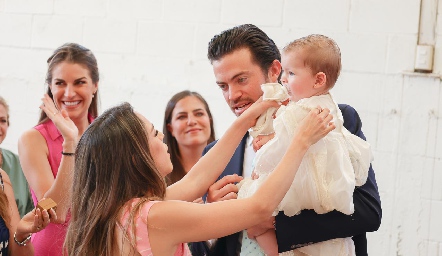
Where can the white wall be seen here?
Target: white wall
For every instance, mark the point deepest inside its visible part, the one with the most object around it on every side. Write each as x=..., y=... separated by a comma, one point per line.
x=148, y=50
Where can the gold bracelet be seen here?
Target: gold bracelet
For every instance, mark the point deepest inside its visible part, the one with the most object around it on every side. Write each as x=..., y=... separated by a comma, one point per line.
x=24, y=242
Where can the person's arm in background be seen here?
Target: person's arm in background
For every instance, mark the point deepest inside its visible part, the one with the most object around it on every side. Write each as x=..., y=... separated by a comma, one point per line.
x=20, y=229
x=309, y=227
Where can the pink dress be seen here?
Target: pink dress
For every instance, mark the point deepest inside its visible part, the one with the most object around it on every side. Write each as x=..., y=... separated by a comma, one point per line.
x=50, y=240
x=142, y=236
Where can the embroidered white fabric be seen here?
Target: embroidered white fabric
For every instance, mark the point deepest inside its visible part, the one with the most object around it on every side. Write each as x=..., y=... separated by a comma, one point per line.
x=264, y=124
x=328, y=173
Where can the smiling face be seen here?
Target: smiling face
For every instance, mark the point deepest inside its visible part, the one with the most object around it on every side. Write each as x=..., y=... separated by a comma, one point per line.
x=240, y=79
x=157, y=148
x=3, y=122
x=298, y=78
x=190, y=123
x=72, y=89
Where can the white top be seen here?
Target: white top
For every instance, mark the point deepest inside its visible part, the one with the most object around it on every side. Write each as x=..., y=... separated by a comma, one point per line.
x=264, y=124
x=249, y=155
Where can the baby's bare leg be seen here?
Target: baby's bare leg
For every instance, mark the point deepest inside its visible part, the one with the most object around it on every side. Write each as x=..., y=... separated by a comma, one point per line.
x=267, y=242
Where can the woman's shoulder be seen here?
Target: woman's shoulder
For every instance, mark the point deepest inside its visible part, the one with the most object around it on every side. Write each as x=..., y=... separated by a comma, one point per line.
x=31, y=137
x=132, y=202
x=31, y=134
x=143, y=204
x=41, y=131
x=8, y=154
x=141, y=207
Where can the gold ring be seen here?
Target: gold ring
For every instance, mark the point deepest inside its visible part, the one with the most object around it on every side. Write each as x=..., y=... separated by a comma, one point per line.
x=320, y=110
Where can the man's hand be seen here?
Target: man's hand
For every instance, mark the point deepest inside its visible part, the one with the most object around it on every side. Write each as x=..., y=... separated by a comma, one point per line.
x=224, y=189
x=261, y=228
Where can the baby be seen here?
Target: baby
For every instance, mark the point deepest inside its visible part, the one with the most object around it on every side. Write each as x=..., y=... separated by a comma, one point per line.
x=332, y=167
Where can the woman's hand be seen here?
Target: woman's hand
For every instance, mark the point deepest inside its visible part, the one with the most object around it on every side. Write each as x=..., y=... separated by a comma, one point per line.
x=34, y=221
x=61, y=119
x=315, y=125
x=256, y=109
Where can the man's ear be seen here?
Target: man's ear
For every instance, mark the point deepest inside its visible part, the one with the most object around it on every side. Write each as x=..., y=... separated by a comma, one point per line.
x=274, y=71
x=320, y=80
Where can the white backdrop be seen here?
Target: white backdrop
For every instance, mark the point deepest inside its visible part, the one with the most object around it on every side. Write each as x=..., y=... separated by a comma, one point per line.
x=149, y=50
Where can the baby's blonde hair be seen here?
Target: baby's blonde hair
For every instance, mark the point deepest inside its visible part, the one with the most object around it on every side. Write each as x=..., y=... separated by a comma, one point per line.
x=320, y=53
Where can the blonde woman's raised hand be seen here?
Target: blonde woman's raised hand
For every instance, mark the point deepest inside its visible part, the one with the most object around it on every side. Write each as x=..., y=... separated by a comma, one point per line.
x=61, y=119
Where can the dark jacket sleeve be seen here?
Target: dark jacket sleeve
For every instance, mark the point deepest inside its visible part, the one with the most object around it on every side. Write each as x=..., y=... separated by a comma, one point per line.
x=309, y=227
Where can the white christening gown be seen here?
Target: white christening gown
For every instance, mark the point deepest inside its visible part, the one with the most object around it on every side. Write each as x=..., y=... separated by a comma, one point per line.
x=327, y=175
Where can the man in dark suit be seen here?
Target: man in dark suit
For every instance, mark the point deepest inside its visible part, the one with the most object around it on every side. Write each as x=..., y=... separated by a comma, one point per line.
x=243, y=58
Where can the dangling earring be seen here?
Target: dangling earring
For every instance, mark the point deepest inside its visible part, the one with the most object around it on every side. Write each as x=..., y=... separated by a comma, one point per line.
x=93, y=95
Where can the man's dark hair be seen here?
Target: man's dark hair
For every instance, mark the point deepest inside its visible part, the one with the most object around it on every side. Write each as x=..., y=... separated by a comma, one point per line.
x=263, y=49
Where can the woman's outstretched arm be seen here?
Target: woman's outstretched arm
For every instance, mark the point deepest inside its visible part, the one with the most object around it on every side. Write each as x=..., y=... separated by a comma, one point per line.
x=173, y=222
x=205, y=172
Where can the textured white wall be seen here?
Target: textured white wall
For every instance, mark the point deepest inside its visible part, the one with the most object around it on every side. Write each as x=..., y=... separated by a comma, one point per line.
x=148, y=50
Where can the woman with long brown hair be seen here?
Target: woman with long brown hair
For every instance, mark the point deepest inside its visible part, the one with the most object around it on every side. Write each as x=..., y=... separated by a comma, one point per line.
x=47, y=150
x=120, y=204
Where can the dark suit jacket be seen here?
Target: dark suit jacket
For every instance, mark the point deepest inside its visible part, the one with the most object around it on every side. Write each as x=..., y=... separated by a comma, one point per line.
x=309, y=227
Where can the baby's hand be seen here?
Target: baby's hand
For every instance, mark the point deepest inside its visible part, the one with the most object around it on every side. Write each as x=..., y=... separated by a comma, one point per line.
x=260, y=140
x=281, y=103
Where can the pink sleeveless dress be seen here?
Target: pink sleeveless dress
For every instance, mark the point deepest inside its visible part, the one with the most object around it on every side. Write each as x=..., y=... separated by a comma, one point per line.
x=142, y=236
x=50, y=240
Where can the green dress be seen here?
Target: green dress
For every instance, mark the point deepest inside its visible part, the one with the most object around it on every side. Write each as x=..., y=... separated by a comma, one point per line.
x=11, y=165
